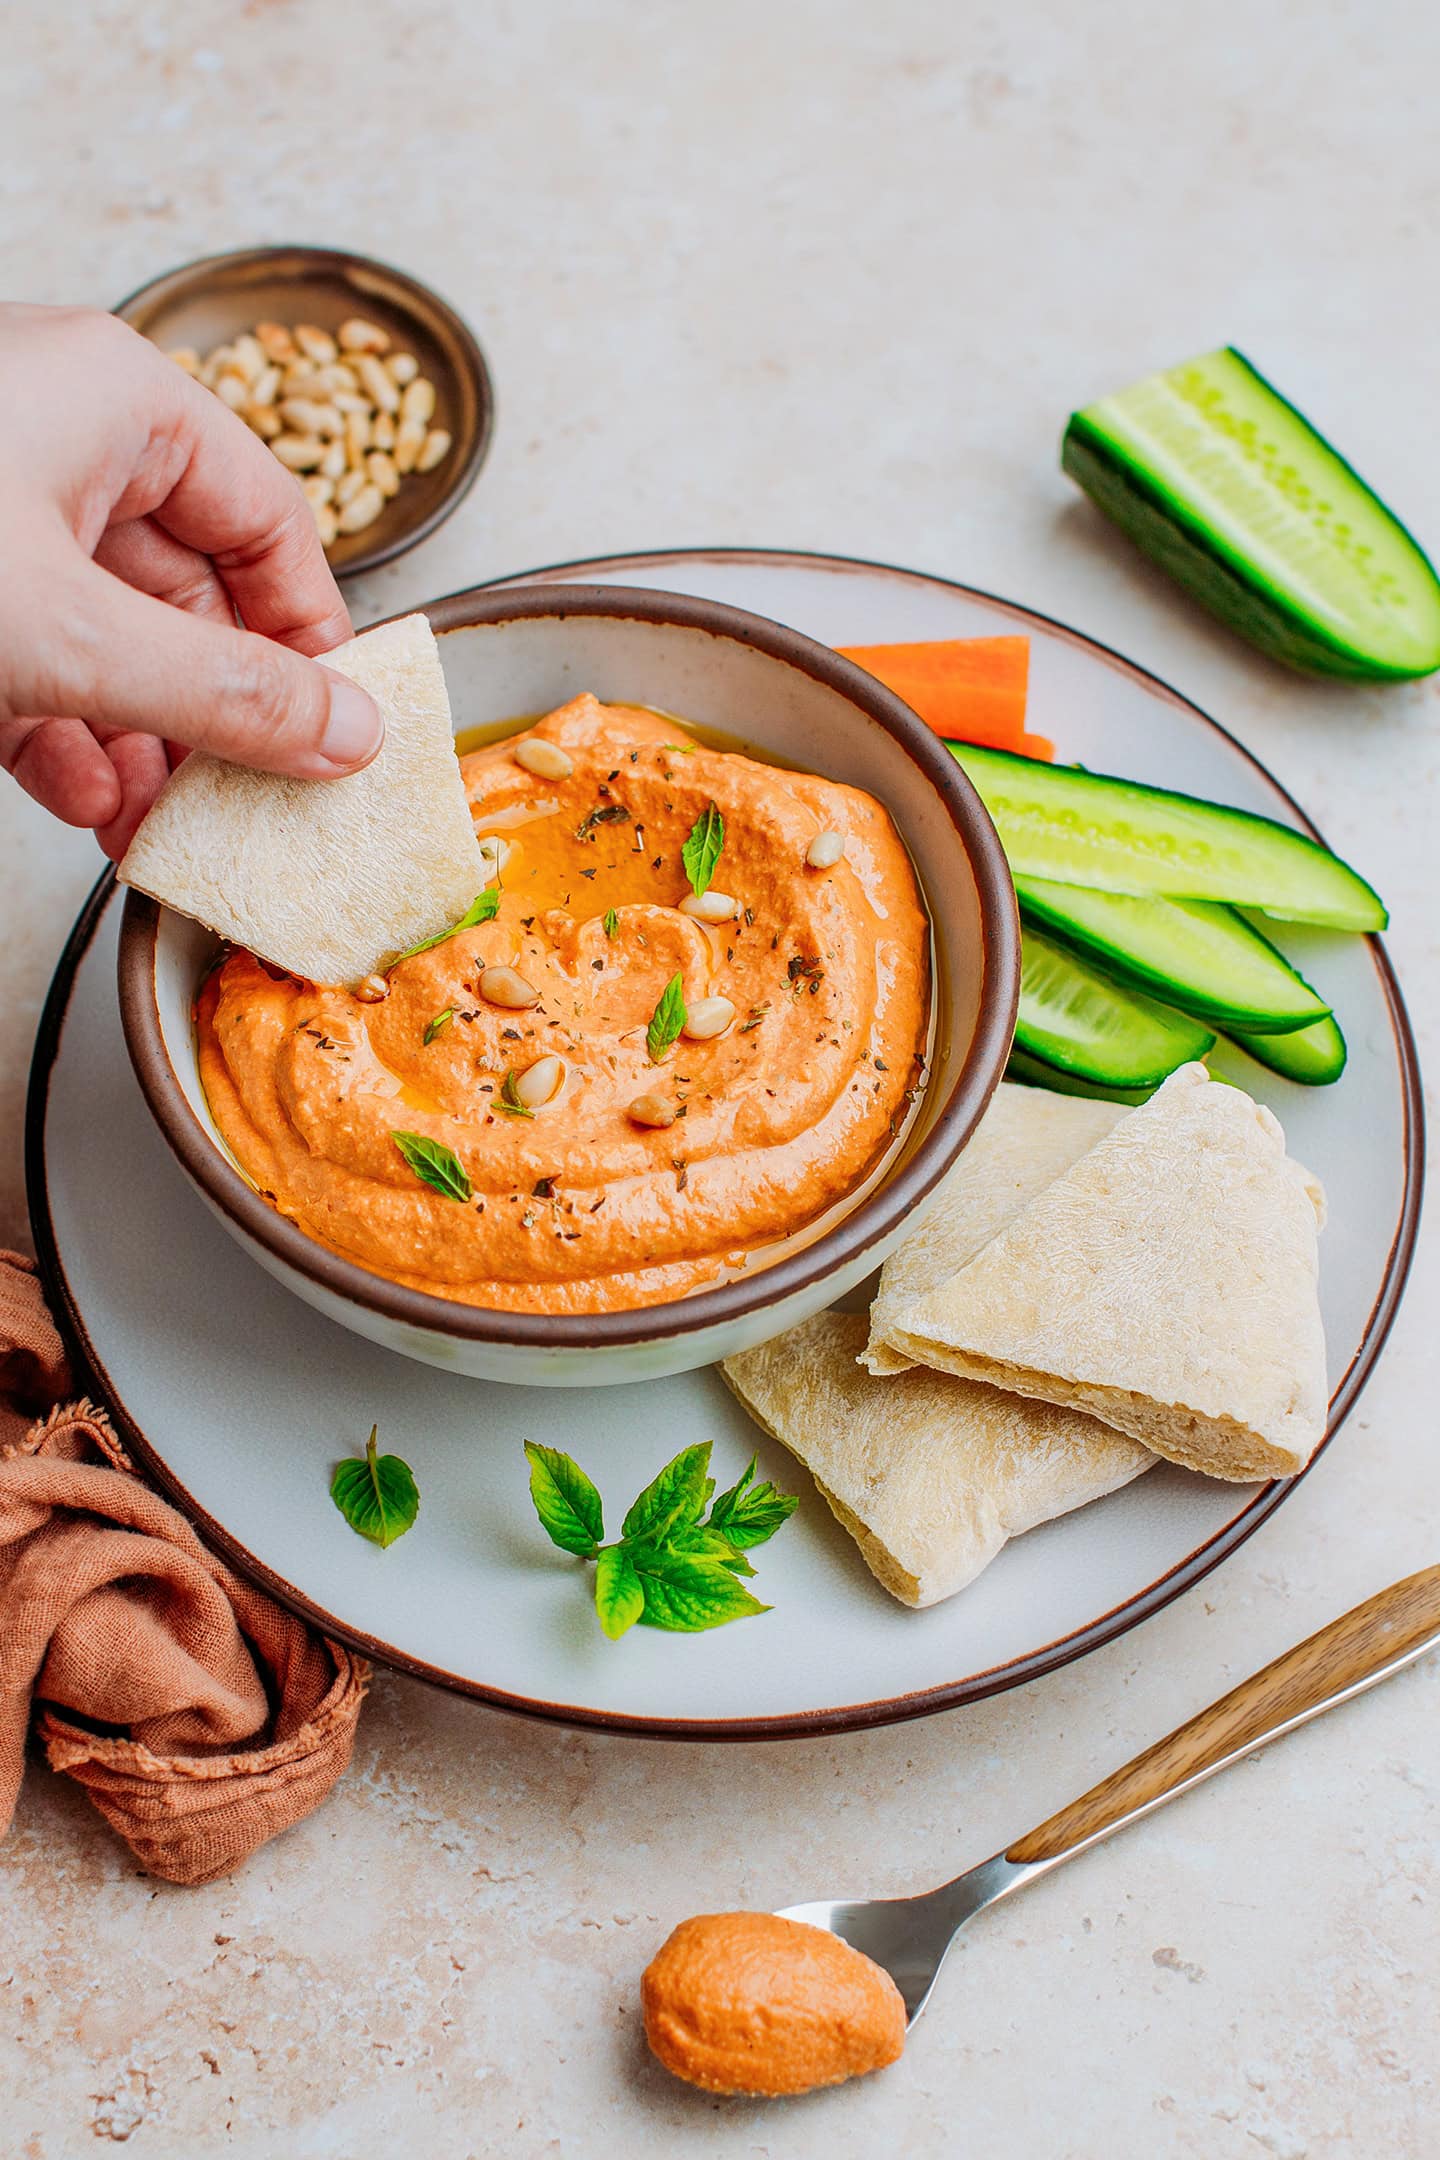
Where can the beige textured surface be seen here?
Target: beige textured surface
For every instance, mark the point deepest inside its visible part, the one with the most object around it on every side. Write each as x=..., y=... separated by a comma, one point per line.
x=1168, y=1282
x=930, y=1475
x=1027, y=1138
x=820, y=276
x=329, y=879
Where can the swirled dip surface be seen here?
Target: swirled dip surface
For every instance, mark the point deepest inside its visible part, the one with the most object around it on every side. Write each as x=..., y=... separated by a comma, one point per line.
x=579, y=1207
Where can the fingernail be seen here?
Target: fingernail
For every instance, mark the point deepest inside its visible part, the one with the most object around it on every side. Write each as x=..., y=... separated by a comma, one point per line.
x=354, y=730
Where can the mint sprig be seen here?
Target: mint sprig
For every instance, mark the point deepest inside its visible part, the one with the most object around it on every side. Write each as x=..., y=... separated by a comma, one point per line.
x=667, y=1019
x=482, y=909
x=377, y=1495
x=702, y=850
x=434, y=1164
x=672, y=1566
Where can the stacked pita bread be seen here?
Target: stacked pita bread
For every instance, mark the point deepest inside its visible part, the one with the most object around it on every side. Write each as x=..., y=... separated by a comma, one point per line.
x=328, y=879
x=1095, y=1288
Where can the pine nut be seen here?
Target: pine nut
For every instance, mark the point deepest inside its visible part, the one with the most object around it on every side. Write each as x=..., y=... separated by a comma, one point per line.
x=351, y=401
x=540, y=1082
x=506, y=986
x=348, y=486
x=372, y=989
x=825, y=850
x=357, y=436
x=248, y=356
x=308, y=417
x=275, y=341
x=711, y=906
x=317, y=489
x=545, y=758
x=317, y=345
x=494, y=852
x=707, y=1018
x=361, y=510
x=382, y=434
x=299, y=374
x=185, y=356
x=652, y=1110
x=437, y=444
x=409, y=442
x=418, y=402
x=358, y=336
x=377, y=384
x=381, y=469
x=333, y=462
x=232, y=389
x=326, y=523
x=299, y=452
x=337, y=378
x=402, y=367
x=266, y=387
x=265, y=421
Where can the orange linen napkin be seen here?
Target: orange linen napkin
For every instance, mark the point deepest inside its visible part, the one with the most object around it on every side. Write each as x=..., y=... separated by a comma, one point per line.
x=204, y=1718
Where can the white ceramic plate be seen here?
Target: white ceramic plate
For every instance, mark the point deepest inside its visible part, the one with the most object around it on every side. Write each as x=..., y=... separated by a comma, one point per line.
x=240, y=1399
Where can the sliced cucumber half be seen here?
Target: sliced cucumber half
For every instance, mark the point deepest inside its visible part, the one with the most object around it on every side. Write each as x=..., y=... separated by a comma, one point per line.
x=1033, y=1072
x=1313, y=1056
x=1083, y=1022
x=1084, y=828
x=1224, y=484
x=1192, y=953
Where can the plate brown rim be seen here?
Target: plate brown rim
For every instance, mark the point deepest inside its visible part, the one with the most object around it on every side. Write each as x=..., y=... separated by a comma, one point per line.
x=339, y=261
x=857, y=1717
x=871, y=1220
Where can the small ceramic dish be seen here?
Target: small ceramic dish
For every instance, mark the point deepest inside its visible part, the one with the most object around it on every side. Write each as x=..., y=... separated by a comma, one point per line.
x=206, y=303
x=524, y=651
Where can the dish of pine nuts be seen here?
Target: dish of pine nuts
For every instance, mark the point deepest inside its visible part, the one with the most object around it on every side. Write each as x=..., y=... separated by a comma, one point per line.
x=350, y=415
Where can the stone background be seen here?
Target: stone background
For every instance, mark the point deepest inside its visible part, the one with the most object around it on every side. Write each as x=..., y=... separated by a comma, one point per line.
x=811, y=275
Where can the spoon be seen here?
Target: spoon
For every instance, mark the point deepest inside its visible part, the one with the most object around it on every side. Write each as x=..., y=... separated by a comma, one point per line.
x=911, y=1936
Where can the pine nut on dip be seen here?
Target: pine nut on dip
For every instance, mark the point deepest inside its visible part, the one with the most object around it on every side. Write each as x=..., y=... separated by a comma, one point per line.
x=607, y=1098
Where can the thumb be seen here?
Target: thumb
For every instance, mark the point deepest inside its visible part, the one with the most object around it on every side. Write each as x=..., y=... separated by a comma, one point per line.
x=133, y=662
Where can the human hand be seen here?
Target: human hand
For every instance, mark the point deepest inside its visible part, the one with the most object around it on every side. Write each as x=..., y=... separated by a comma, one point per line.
x=138, y=516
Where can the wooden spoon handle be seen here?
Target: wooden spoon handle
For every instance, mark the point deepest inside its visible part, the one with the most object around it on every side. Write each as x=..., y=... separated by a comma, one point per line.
x=1352, y=1653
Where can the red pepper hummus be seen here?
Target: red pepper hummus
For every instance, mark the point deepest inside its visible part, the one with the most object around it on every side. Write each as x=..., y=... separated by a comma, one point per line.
x=594, y=1175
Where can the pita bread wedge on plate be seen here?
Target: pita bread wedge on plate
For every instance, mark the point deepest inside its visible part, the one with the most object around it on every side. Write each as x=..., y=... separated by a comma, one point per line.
x=929, y=1475
x=328, y=879
x=1026, y=1139
x=1167, y=1283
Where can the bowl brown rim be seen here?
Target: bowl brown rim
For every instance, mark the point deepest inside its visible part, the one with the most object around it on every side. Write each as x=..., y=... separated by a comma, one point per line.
x=864, y=1227
x=339, y=261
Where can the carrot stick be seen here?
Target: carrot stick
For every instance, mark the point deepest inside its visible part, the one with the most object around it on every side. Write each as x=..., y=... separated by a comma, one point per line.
x=966, y=689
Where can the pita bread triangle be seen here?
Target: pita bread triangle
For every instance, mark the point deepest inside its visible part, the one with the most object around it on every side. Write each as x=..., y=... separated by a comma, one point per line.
x=1167, y=1283
x=328, y=879
x=929, y=1475
x=1025, y=1140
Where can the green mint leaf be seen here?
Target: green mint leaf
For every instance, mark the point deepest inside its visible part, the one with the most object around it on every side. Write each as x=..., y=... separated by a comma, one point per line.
x=672, y=1501
x=508, y=1099
x=377, y=1496
x=483, y=908
x=441, y=1020
x=749, y=1516
x=688, y=1594
x=434, y=1164
x=702, y=850
x=565, y=1500
x=619, y=1593
x=667, y=1019
x=611, y=922
x=708, y=1544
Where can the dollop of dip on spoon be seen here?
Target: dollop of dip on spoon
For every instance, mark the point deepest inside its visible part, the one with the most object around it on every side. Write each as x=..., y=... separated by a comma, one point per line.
x=745, y=2002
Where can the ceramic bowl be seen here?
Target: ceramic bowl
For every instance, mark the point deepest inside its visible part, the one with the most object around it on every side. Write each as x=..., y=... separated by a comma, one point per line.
x=525, y=650
x=206, y=303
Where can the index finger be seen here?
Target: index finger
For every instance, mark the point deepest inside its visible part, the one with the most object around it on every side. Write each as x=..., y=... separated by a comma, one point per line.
x=235, y=502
